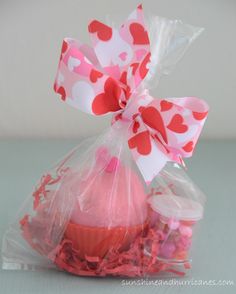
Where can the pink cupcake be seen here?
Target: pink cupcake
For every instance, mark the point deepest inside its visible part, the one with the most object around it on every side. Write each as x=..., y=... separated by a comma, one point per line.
x=110, y=208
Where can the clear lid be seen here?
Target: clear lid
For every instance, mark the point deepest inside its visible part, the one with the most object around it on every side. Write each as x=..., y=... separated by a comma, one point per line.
x=172, y=206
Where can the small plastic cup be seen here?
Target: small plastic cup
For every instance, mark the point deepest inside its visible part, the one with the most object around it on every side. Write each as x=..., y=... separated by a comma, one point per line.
x=175, y=218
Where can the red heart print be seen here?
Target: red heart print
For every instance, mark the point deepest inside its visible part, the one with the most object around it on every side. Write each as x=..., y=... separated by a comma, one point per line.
x=143, y=70
x=166, y=105
x=176, y=125
x=123, y=77
x=152, y=117
x=139, y=34
x=103, y=31
x=134, y=67
x=109, y=100
x=62, y=92
x=63, y=48
x=55, y=87
x=136, y=126
x=126, y=89
x=127, y=92
x=199, y=115
x=141, y=109
x=188, y=147
x=118, y=117
x=95, y=75
x=142, y=142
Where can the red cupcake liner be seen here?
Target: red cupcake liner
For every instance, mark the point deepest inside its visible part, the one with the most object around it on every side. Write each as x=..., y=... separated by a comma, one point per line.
x=98, y=241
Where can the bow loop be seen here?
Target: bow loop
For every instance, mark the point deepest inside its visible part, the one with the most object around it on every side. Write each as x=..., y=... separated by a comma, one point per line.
x=125, y=52
x=84, y=86
x=172, y=127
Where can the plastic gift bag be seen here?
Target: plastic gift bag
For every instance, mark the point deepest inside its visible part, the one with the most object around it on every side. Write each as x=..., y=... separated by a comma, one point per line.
x=120, y=204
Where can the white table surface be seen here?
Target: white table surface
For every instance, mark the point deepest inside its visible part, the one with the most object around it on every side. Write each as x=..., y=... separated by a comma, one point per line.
x=213, y=168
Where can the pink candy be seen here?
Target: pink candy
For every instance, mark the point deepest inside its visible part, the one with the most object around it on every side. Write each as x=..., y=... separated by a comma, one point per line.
x=102, y=154
x=185, y=231
x=173, y=224
x=184, y=243
x=168, y=250
x=112, y=165
x=103, y=157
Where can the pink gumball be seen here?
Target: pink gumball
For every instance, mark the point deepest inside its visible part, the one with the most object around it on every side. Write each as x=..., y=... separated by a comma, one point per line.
x=112, y=165
x=185, y=231
x=168, y=250
x=173, y=224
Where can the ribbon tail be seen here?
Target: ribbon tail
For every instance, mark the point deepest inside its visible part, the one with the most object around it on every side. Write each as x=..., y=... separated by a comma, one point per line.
x=151, y=164
x=148, y=155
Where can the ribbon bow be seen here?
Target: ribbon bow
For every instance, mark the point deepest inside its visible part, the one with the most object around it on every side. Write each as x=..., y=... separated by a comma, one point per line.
x=106, y=79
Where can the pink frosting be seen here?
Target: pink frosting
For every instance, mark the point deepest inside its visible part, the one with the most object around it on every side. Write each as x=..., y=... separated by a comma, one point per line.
x=107, y=198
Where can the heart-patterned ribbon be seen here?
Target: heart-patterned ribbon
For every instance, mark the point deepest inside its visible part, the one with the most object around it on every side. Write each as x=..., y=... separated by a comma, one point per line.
x=106, y=78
